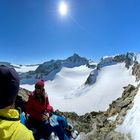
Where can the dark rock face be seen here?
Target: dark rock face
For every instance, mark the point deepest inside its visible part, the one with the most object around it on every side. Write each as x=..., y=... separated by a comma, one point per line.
x=47, y=67
x=106, y=62
x=136, y=71
x=130, y=59
x=92, y=77
x=75, y=61
x=120, y=58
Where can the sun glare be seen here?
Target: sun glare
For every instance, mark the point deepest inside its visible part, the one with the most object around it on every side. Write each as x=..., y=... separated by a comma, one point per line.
x=63, y=8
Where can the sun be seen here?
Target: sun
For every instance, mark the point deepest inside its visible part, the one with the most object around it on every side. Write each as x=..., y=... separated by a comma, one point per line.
x=63, y=8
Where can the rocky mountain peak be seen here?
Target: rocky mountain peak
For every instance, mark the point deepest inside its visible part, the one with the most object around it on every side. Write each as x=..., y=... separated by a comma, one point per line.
x=49, y=66
x=48, y=70
x=129, y=58
x=75, y=60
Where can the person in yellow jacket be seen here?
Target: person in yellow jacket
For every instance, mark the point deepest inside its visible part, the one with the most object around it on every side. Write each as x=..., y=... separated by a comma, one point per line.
x=10, y=126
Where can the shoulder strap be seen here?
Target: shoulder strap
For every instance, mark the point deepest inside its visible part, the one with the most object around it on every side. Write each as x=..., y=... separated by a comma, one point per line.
x=9, y=119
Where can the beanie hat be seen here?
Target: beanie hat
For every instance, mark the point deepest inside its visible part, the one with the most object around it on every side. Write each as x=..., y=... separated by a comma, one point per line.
x=39, y=84
x=9, y=86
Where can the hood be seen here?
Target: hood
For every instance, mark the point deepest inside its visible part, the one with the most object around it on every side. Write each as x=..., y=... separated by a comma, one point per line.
x=7, y=128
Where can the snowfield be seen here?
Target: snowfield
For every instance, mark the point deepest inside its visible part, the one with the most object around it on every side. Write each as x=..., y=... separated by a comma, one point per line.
x=67, y=91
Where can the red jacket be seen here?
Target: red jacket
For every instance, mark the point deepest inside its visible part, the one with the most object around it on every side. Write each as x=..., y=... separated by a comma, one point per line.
x=36, y=109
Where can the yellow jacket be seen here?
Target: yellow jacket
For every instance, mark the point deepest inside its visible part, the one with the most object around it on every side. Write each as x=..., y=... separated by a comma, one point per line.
x=13, y=130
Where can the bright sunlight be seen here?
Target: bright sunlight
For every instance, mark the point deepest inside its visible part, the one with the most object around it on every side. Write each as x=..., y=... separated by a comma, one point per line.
x=63, y=8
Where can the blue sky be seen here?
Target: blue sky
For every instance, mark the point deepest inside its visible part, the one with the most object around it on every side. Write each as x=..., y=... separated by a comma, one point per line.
x=32, y=31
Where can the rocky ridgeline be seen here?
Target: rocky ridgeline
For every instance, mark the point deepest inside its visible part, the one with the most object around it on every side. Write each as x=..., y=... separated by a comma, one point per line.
x=48, y=69
x=136, y=71
x=129, y=59
x=101, y=125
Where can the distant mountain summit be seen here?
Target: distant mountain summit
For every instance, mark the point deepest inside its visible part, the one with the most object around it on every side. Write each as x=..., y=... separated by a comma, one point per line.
x=48, y=70
x=129, y=59
x=105, y=94
x=75, y=61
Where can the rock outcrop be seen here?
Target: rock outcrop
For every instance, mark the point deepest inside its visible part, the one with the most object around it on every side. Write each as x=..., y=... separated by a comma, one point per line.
x=136, y=71
x=101, y=125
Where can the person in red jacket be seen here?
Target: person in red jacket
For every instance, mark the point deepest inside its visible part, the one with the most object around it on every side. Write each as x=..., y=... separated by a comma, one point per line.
x=37, y=106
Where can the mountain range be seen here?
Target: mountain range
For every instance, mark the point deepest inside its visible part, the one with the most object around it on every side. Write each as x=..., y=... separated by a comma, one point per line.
x=91, y=89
